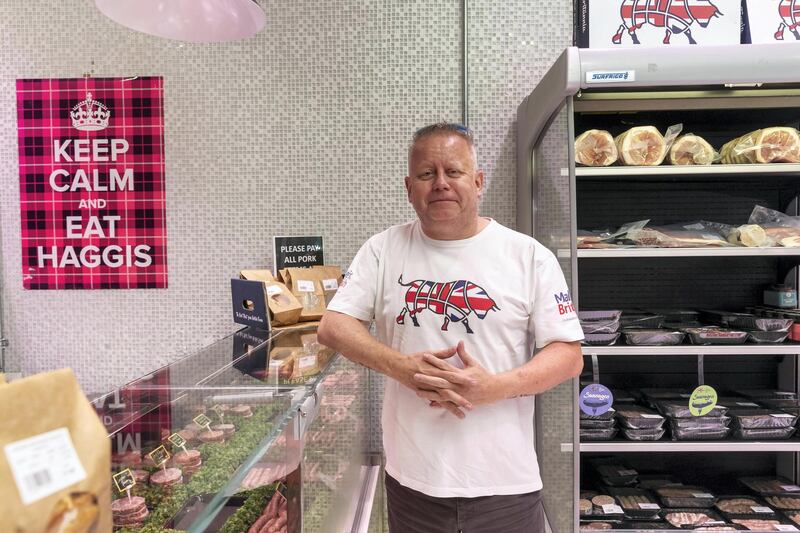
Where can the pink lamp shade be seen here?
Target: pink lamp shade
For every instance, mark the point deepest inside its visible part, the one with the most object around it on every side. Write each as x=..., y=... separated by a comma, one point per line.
x=199, y=21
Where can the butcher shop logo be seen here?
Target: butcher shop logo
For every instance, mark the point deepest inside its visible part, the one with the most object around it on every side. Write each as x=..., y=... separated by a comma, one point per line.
x=455, y=300
x=564, y=303
x=789, y=11
x=675, y=16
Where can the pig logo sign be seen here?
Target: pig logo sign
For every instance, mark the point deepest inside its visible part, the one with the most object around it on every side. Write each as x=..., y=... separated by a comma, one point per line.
x=455, y=300
x=675, y=16
x=789, y=11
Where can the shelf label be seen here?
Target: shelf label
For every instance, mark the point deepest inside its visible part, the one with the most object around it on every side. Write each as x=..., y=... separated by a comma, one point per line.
x=595, y=399
x=124, y=480
x=702, y=400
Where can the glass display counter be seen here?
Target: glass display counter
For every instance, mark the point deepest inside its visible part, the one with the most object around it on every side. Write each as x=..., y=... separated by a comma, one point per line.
x=263, y=431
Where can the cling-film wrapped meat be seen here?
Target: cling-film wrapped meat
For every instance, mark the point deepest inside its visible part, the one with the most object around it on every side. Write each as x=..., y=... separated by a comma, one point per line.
x=641, y=146
x=768, y=145
x=595, y=148
x=691, y=150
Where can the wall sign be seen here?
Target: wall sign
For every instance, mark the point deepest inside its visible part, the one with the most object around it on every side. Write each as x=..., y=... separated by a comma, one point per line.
x=91, y=171
x=293, y=252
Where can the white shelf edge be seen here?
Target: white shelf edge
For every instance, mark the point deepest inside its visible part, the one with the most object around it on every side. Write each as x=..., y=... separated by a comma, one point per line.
x=688, y=170
x=739, y=349
x=599, y=253
x=690, y=446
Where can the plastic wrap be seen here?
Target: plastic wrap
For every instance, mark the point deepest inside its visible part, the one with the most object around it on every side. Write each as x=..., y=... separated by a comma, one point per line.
x=716, y=433
x=784, y=502
x=608, y=415
x=745, y=321
x=767, y=145
x=690, y=519
x=635, y=417
x=606, y=238
x=600, y=339
x=653, y=337
x=644, y=434
x=743, y=506
x=690, y=496
x=762, y=418
x=700, y=422
x=675, y=409
x=654, y=481
x=764, y=485
x=595, y=148
x=636, y=503
x=767, y=337
x=641, y=146
x=634, y=320
x=600, y=326
x=763, y=434
x=597, y=434
x=704, y=336
x=783, y=229
x=597, y=424
x=750, y=235
x=660, y=237
x=691, y=149
x=676, y=315
x=599, y=316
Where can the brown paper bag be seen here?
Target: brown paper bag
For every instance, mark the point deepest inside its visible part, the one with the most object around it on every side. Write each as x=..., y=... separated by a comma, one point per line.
x=2, y=379
x=56, y=446
x=284, y=307
x=311, y=285
x=256, y=275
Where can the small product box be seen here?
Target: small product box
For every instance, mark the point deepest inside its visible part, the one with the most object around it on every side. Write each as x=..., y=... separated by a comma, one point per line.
x=633, y=23
x=780, y=296
x=772, y=21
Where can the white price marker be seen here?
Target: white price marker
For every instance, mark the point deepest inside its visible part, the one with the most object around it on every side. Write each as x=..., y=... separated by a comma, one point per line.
x=761, y=510
x=44, y=464
x=304, y=285
x=612, y=508
x=330, y=284
x=702, y=495
x=649, y=506
x=784, y=527
x=790, y=488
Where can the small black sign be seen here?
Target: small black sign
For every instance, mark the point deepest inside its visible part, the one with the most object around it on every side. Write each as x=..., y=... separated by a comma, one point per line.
x=177, y=440
x=249, y=303
x=159, y=456
x=293, y=252
x=124, y=480
x=251, y=347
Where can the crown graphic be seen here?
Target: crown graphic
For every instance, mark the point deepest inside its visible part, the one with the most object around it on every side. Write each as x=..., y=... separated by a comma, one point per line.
x=90, y=115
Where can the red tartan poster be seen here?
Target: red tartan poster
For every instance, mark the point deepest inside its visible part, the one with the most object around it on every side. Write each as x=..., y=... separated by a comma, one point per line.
x=91, y=175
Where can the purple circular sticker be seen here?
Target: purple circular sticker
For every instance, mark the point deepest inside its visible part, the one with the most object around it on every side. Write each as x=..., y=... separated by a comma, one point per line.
x=595, y=399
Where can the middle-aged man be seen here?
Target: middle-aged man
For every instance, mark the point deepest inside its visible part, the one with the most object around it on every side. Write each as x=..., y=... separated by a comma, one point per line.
x=459, y=303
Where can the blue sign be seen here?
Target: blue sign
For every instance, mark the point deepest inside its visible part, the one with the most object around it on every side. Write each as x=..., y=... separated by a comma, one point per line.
x=595, y=399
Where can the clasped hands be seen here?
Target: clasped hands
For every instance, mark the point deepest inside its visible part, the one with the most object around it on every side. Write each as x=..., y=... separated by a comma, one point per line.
x=447, y=386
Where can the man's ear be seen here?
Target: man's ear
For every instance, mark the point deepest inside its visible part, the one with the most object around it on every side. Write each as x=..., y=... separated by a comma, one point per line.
x=408, y=187
x=479, y=182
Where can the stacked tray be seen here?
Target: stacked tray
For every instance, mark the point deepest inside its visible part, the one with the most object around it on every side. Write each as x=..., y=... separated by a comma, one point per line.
x=758, y=424
x=760, y=330
x=686, y=497
x=637, y=504
x=653, y=337
x=640, y=424
x=598, y=428
x=600, y=328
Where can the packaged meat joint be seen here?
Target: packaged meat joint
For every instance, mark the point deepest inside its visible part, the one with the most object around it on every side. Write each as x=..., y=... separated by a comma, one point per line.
x=667, y=237
x=644, y=434
x=711, y=433
x=762, y=418
x=690, y=496
x=636, y=503
x=751, y=235
x=642, y=146
x=691, y=519
x=680, y=409
x=595, y=148
x=691, y=150
x=635, y=417
x=784, y=502
x=770, y=485
x=768, y=145
x=653, y=337
x=55, y=460
x=715, y=335
x=739, y=506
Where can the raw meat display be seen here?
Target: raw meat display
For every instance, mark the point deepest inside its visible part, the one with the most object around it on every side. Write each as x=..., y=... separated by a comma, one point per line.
x=641, y=146
x=595, y=148
x=768, y=145
x=691, y=150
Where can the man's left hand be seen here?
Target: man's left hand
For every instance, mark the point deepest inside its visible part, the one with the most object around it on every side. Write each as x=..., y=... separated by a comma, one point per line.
x=480, y=387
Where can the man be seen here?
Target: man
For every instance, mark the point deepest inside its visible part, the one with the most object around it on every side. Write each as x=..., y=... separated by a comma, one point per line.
x=459, y=303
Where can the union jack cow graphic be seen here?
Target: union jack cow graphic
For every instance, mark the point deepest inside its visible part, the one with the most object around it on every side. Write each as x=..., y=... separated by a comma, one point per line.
x=674, y=15
x=455, y=300
x=790, y=16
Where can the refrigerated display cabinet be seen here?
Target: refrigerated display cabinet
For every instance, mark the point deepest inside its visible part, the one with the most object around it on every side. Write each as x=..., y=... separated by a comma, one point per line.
x=719, y=93
x=294, y=422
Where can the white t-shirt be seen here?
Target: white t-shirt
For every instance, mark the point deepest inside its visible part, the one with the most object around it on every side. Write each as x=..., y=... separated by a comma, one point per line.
x=502, y=293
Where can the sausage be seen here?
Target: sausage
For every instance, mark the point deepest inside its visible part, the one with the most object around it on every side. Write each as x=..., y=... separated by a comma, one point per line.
x=279, y=524
x=259, y=524
x=272, y=507
x=267, y=526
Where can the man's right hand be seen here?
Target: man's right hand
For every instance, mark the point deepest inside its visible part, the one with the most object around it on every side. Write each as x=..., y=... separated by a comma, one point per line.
x=406, y=367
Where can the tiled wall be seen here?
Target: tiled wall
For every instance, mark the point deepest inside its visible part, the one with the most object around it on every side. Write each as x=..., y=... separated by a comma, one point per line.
x=300, y=130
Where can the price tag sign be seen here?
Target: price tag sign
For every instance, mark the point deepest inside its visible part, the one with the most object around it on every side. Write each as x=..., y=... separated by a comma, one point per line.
x=703, y=400
x=649, y=506
x=203, y=421
x=159, y=456
x=177, y=441
x=124, y=480
x=219, y=411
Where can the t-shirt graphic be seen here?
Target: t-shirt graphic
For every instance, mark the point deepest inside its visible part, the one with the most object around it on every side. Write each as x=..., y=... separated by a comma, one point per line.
x=455, y=300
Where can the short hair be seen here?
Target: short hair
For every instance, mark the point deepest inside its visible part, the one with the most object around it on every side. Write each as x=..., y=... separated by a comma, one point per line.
x=446, y=128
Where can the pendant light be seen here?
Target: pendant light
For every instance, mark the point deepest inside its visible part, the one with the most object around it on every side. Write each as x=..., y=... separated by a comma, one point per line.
x=199, y=21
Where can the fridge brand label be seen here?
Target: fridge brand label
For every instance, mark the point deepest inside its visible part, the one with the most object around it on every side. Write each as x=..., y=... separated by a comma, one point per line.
x=703, y=400
x=124, y=480
x=611, y=76
x=595, y=399
x=91, y=173
x=44, y=464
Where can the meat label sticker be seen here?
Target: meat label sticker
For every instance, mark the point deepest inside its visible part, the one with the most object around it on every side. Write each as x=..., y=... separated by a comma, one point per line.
x=308, y=361
x=272, y=290
x=304, y=285
x=612, y=508
x=784, y=527
x=761, y=510
x=595, y=399
x=790, y=488
x=702, y=400
x=44, y=464
x=330, y=284
x=649, y=506
x=159, y=456
x=124, y=480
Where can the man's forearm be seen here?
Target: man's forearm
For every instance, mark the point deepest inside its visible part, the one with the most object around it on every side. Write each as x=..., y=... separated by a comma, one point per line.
x=352, y=339
x=554, y=364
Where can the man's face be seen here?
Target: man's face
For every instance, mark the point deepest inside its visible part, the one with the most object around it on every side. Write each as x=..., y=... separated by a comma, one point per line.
x=443, y=184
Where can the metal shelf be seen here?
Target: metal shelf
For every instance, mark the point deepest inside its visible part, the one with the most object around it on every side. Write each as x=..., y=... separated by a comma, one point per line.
x=687, y=170
x=690, y=349
x=690, y=446
x=601, y=253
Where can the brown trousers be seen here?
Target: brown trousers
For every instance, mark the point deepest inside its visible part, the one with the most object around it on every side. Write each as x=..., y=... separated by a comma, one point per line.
x=411, y=511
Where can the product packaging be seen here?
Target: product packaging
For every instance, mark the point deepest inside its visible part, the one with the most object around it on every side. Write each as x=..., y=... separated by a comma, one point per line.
x=55, y=460
x=313, y=287
x=284, y=308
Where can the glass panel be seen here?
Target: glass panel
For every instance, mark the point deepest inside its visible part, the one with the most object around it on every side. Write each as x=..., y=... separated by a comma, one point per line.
x=555, y=420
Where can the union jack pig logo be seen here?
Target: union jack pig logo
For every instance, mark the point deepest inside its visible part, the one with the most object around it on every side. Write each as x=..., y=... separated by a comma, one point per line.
x=675, y=16
x=455, y=300
x=790, y=18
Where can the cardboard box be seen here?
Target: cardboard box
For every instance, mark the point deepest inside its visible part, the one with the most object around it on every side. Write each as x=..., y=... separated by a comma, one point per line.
x=631, y=23
x=771, y=21
x=284, y=308
x=312, y=287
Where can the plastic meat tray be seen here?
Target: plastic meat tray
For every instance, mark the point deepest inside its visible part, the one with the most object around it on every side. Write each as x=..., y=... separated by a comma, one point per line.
x=644, y=434
x=598, y=316
x=689, y=496
x=597, y=434
x=635, y=417
x=770, y=485
x=675, y=409
x=599, y=339
x=767, y=337
x=762, y=418
x=743, y=506
x=641, y=321
x=763, y=434
x=636, y=503
x=704, y=336
x=653, y=337
x=700, y=422
x=600, y=326
x=699, y=433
